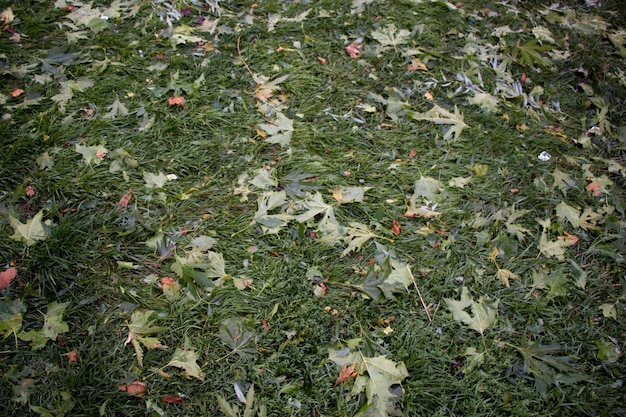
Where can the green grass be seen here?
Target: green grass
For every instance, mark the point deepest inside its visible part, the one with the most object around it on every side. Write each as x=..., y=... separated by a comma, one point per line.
x=352, y=128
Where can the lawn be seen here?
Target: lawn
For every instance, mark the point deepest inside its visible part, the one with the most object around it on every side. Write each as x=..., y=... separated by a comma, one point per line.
x=312, y=208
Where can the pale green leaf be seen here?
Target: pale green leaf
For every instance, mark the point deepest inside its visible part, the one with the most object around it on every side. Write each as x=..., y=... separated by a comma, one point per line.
x=355, y=236
x=345, y=195
x=187, y=359
x=30, y=232
x=485, y=101
x=427, y=187
x=459, y=182
x=279, y=130
x=391, y=36
x=92, y=154
x=239, y=337
x=563, y=181
x=608, y=310
x=116, y=109
x=155, y=180
x=484, y=312
x=53, y=324
x=568, y=213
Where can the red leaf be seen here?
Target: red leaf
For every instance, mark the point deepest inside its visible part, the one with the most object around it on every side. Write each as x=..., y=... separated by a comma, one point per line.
x=136, y=388
x=171, y=399
x=72, y=356
x=346, y=373
x=266, y=326
x=413, y=153
x=395, y=227
x=353, y=50
x=6, y=277
x=594, y=187
x=17, y=92
x=176, y=101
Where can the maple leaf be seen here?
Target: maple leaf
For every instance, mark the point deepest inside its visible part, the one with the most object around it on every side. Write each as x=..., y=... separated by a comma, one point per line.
x=279, y=130
x=11, y=313
x=201, y=269
x=563, y=181
x=30, y=232
x=355, y=236
x=376, y=376
x=92, y=154
x=311, y=207
x=141, y=326
x=427, y=187
x=53, y=323
x=569, y=213
x=268, y=201
x=529, y=53
x=240, y=338
x=515, y=229
x=484, y=312
x=155, y=180
x=551, y=248
x=547, y=367
x=345, y=195
x=486, y=101
x=116, y=109
x=186, y=359
x=391, y=36
x=441, y=116
x=505, y=275
x=265, y=87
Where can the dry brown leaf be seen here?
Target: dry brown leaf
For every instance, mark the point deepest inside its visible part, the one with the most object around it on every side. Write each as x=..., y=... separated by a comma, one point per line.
x=346, y=373
x=395, y=227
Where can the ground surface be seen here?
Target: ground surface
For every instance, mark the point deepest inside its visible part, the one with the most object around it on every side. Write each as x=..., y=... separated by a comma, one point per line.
x=312, y=208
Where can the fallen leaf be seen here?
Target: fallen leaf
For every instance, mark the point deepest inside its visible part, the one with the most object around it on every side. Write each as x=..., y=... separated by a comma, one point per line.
x=567, y=237
x=347, y=372
x=72, y=356
x=7, y=15
x=505, y=275
x=172, y=399
x=135, y=389
x=353, y=50
x=412, y=153
x=594, y=188
x=29, y=232
x=124, y=200
x=176, y=101
x=346, y=195
x=17, y=92
x=395, y=227
x=416, y=65
x=6, y=277
x=322, y=60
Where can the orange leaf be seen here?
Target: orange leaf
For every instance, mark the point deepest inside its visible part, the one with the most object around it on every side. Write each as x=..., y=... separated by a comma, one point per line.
x=6, y=277
x=416, y=65
x=572, y=239
x=171, y=399
x=123, y=203
x=322, y=60
x=594, y=187
x=176, y=101
x=17, y=92
x=136, y=388
x=346, y=373
x=413, y=153
x=353, y=50
x=72, y=356
x=266, y=326
x=395, y=227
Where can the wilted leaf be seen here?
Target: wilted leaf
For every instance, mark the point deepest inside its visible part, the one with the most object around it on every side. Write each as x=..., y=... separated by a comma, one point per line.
x=356, y=234
x=505, y=275
x=354, y=50
x=484, y=312
x=548, y=368
x=268, y=201
x=345, y=195
x=30, y=232
x=140, y=327
x=279, y=130
x=265, y=87
x=441, y=116
x=187, y=359
x=459, y=182
x=347, y=372
x=135, y=389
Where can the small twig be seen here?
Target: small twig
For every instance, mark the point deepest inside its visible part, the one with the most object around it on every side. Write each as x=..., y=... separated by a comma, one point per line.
x=243, y=60
x=430, y=319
